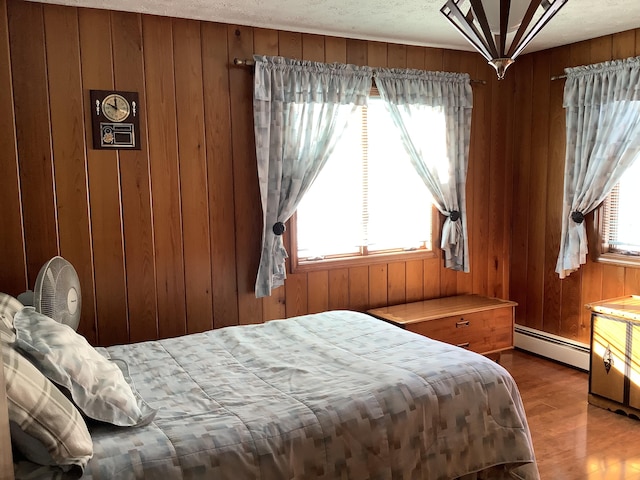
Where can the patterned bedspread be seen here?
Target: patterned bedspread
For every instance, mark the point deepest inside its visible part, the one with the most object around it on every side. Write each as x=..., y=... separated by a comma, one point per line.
x=327, y=396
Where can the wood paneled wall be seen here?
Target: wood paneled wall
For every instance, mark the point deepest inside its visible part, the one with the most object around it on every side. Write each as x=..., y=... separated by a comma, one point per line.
x=166, y=239
x=546, y=302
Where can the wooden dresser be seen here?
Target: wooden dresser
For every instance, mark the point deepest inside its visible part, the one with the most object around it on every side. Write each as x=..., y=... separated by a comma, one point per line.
x=614, y=373
x=481, y=324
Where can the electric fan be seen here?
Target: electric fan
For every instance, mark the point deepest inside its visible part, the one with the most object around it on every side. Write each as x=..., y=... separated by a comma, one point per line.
x=57, y=292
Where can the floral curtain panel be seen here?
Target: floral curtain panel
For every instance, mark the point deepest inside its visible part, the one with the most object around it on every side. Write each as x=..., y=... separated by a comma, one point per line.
x=300, y=110
x=411, y=96
x=602, y=103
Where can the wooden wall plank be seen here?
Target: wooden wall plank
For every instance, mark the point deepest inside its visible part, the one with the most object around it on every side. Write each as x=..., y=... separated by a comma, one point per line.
x=631, y=281
x=165, y=175
x=500, y=115
x=415, y=57
x=431, y=280
x=31, y=101
x=318, y=291
x=507, y=105
x=137, y=216
x=103, y=176
x=248, y=214
x=335, y=50
x=290, y=44
x=434, y=59
x=397, y=56
x=359, y=288
x=414, y=277
x=521, y=187
x=13, y=274
x=623, y=44
x=378, y=285
x=296, y=289
x=194, y=193
x=377, y=54
x=396, y=283
x=612, y=281
x=356, y=52
x=542, y=200
x=217, y=109
x=68, y=144
x=313, y=47
x=339, y=289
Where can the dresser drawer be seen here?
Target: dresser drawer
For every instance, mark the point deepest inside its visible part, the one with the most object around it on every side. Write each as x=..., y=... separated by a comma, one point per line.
x=480, y=332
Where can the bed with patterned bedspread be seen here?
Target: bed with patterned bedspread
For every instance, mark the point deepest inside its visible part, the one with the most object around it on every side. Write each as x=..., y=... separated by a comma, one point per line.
x=325, y=396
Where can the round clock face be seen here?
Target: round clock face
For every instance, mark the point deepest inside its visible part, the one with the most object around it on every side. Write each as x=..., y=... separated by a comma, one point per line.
x=115, y=107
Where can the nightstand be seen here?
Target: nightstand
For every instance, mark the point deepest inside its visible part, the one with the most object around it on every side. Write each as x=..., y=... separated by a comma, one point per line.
x=481, y=324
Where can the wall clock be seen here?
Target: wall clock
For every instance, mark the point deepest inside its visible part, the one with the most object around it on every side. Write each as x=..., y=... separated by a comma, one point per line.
x=115, y=119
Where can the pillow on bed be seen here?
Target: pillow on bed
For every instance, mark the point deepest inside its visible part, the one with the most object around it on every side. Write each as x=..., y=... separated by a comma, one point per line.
x=97, y=385
x=9, y=306
x=46, y=427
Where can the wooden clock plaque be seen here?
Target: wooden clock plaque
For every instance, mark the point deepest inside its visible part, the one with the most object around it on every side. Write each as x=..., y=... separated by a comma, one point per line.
x=115, y=118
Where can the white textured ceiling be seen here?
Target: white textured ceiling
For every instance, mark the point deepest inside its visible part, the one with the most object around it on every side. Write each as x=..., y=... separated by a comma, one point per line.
x=412, y=22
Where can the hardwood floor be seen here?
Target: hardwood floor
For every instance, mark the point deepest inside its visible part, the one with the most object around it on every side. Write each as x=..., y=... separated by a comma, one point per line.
x=572, y=439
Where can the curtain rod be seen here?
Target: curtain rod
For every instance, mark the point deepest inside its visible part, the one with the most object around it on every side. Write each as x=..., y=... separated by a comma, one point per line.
x=558, y=77
x=243, y=62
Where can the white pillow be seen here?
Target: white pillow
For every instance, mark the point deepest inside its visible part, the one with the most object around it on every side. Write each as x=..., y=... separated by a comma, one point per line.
x=97, y=385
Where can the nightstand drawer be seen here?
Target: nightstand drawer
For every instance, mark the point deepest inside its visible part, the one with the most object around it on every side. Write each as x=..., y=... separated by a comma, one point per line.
x=480, y=332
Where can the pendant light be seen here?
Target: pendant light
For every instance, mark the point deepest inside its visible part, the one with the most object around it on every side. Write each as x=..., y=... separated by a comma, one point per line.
x=500, y=29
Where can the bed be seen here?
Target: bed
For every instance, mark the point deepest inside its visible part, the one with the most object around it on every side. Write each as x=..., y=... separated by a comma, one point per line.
x=325, y=396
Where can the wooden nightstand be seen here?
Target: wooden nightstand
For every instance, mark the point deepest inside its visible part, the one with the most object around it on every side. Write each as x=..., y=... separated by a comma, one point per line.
x=481, y=324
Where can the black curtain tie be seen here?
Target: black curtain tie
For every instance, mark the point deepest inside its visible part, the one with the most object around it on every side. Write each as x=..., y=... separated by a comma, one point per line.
x=279, y=228
x=454, y=216
x=577, y=217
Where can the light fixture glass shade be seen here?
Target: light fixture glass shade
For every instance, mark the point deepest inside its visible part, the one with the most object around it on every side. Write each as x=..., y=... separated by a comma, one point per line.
x=500, y=29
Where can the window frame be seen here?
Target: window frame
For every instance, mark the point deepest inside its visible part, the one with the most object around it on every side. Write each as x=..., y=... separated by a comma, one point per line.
x=597, y=242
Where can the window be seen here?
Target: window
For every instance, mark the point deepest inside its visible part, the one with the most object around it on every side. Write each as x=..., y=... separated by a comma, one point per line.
x=619, y=222
x=368, y=202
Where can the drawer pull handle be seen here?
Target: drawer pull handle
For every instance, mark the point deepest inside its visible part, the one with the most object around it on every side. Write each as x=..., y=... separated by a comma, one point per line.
x=462, y=323
x=463, y=345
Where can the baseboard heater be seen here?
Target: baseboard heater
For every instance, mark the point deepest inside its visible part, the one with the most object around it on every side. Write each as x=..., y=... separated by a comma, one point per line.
x=552, y=346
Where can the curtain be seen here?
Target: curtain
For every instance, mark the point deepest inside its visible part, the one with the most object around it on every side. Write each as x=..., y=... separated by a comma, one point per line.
x=411, y=96
x=300, y=110
x=602, y=103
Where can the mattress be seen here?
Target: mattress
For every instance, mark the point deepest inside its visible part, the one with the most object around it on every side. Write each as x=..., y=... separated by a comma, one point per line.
x=326, y=396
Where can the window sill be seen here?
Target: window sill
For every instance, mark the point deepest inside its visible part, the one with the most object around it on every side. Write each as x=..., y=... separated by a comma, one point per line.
x=372, y=259
x=619, y=260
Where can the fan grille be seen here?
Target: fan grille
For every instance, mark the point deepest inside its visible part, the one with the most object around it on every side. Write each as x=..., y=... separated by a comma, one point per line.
x=57, y=292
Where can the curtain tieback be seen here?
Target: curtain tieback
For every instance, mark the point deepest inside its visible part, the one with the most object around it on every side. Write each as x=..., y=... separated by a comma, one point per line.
x=577, y=217
x=454, y=216
x=278, y=228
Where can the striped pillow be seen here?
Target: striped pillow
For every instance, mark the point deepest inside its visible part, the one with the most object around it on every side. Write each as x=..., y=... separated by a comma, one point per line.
x=42, y=412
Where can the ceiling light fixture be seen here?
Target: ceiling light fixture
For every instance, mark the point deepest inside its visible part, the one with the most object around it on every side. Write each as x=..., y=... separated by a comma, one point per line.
x=500, y=29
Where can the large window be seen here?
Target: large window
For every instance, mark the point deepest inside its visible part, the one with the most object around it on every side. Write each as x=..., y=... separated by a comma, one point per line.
x=368, y=201
x=620, y=223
